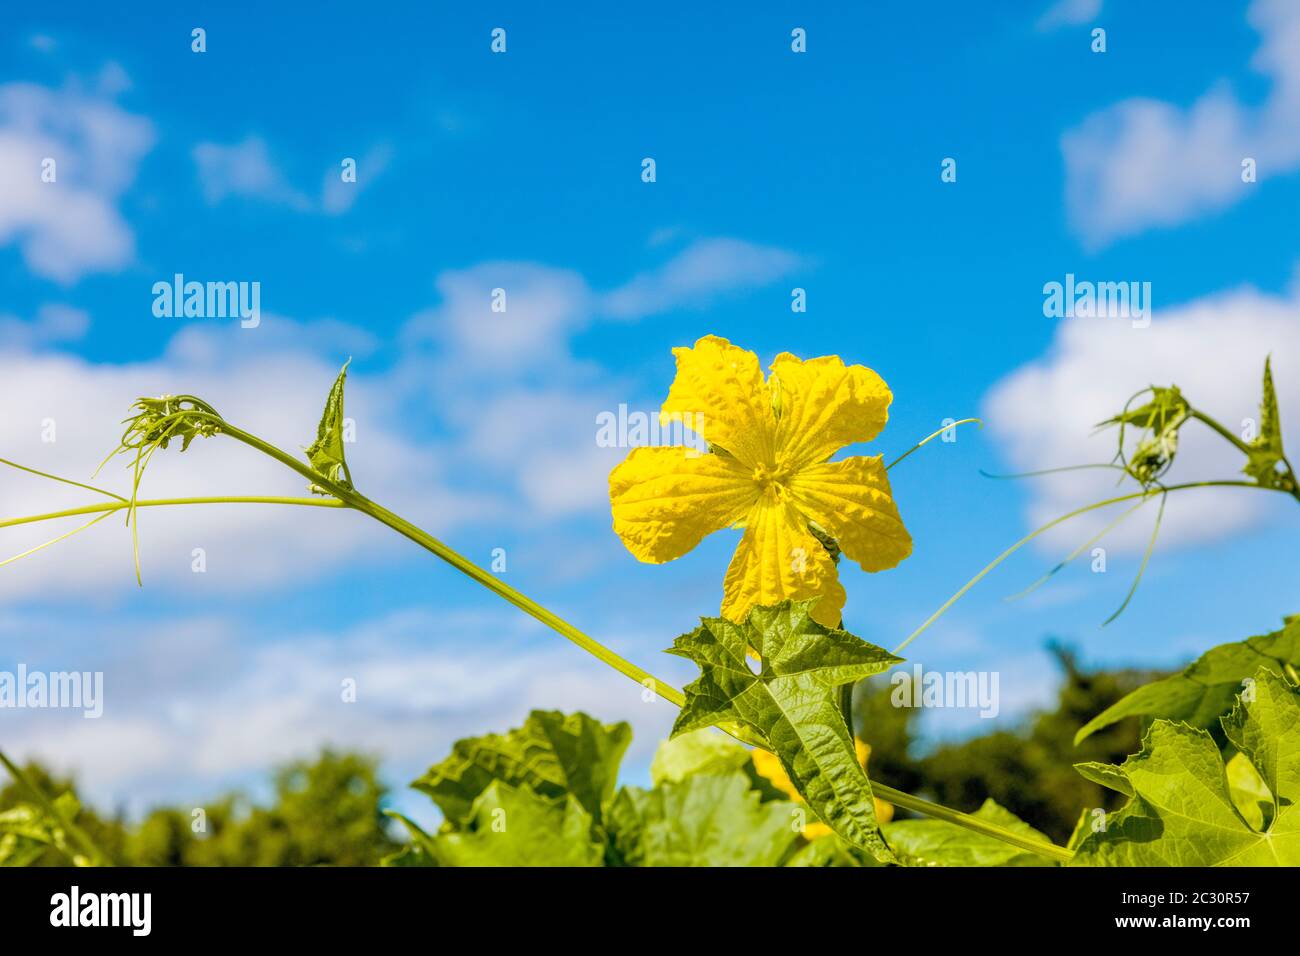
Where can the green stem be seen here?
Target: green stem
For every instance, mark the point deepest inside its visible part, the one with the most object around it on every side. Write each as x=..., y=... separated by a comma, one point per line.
x=1105, y=530
x=931, y=436
x=1146, y=559
x=53, y=541
x=1223, y=432
x=66, y=481
x=158, y=502
x=909, y=802
x=87, y=845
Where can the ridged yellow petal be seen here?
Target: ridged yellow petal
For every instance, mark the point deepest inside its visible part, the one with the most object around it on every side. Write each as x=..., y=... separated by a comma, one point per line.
x=779, y=558
x=825, y=405
x=852, y=501
x=665, y=500
x=720, y=387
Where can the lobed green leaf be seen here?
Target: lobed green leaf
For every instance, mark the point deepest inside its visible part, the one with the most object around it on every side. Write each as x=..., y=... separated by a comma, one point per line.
x=791, y=705
x=1183, y=811
x=554, y=754
x=513, y=826
x=706, y=819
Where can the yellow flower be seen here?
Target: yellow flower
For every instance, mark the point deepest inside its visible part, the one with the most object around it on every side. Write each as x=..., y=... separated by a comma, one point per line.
x=768, y=472
x=768, y=765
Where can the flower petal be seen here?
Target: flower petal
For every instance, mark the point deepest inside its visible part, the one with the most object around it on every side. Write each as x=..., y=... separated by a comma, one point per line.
x=852, y=501
x=779, y=558
x=665, y=500
x=719, y=393
x=825, y=405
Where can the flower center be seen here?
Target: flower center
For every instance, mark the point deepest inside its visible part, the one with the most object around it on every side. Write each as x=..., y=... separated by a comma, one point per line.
x=770, y=478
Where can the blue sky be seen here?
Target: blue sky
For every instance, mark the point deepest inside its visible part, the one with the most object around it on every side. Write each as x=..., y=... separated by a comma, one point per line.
x=522, y=170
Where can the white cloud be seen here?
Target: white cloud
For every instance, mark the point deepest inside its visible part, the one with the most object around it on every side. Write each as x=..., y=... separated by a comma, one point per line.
x=663, y=236
x=543, y=308
x=545, y=437
x=245, y=170
x=510, y=383
x=692, y=278
x=112, y=80
x=1044, y=413
x=53, y=323
x=1143, y=163
x=71, y=226
x=1069, y=13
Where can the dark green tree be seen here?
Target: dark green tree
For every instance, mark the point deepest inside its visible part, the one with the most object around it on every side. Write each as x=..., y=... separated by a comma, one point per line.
x=327, y=812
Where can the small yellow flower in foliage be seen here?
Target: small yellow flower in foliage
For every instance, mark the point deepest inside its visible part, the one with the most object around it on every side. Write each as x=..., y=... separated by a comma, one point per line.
x=768, y=472
x=768, y=765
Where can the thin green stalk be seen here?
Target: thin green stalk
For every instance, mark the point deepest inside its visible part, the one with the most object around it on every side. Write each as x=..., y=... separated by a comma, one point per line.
x=1223, y=432
x=1050, y=471
x=1105, y=530
x=66, y=481
x=932, y=436
x=62, y=537
x=908, y=802
x=79, y=835
x=1146, y=559
x=109, y=507
x=1145, y=493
